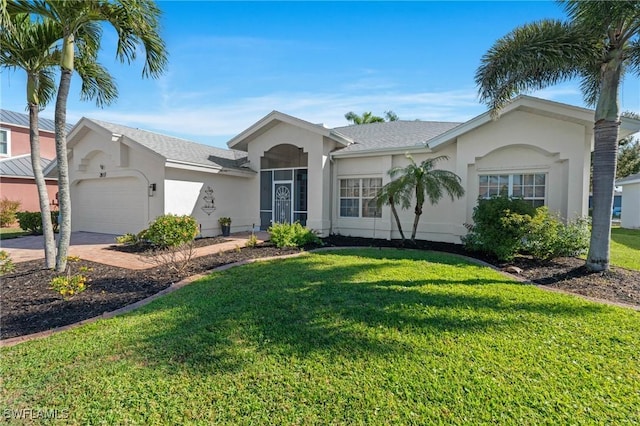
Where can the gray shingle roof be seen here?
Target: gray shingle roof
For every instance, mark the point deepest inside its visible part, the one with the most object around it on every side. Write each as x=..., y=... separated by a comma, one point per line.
x=393, y=134
x=177, y=149
x=22, y=120
x=20, y=166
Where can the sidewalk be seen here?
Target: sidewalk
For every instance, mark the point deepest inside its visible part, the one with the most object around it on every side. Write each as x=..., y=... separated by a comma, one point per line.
x=95, y=247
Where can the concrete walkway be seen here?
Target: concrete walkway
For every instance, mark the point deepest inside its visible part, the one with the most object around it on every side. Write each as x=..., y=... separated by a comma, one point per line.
x=95, y=247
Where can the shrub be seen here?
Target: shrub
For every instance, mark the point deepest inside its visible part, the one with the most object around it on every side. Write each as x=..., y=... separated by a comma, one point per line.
x=32, y=221
x=500, y=223
x=171, y=231
x=8, y=209
x=252, y=241
x=292, y=235
x=504, y=227
x=131, y=239
x=72, y=283
x=548, y=238
x=6, y=264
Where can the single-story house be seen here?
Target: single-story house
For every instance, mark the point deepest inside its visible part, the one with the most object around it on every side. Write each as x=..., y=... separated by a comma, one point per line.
x=630, y=215
x=284, y=169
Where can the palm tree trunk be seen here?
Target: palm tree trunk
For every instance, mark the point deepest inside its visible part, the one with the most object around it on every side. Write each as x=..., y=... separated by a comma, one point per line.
x=64, y=198
x=604, y=171
x=416, y=219
x=41, y=184
x=395, y=215
x=605, y=155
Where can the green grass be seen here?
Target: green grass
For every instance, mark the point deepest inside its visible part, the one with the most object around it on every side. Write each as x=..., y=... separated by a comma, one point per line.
x=355, y=336
x=625, y=248
x=8, y=233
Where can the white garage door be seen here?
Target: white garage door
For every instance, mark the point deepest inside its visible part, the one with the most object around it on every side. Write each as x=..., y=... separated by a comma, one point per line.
x=110, y=205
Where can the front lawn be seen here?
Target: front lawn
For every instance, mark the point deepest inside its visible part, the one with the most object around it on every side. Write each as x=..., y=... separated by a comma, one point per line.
x=351, y=336
x=9, y=233
x=625, y=248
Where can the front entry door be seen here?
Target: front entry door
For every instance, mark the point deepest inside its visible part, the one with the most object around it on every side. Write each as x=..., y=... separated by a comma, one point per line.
x=282, y=202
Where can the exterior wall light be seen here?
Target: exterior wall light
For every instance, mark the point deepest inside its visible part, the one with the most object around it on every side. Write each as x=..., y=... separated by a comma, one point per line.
x=152, y=189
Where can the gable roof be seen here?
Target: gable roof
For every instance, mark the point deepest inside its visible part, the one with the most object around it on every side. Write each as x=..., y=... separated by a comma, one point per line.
x=392, y=134
x=276, y=117
x=173, y=149
x=20, y=166
x=19, y=119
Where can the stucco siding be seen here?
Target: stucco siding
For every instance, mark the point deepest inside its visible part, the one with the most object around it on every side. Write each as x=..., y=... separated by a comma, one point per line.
x=96, y=156
x=185, y=192
x=25, y=191
x=319, y=170
x=522, y=142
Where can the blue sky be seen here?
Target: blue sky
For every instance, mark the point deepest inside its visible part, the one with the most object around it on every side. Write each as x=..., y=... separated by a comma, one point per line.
x=231, y=63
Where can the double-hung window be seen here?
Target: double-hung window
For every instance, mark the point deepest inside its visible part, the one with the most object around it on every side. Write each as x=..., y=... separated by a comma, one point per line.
x=4, y=142
x=357, y=197
x=531, y=187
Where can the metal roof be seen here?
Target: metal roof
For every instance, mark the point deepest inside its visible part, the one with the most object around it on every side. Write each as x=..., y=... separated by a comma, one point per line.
x=22, y=120
x=392, y=134
x=20, y=166
x=176, y=149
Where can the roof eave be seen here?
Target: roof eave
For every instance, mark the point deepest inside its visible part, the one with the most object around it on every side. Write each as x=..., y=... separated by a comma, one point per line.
x=382, y=151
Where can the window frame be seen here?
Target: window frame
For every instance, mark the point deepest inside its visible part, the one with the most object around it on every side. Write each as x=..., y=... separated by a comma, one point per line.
x=359, y=197
x=8, y=133
x=510, y=185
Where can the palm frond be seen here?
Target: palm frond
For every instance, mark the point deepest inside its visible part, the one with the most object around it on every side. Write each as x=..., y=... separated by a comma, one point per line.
x=97, y=83
x=532, y=57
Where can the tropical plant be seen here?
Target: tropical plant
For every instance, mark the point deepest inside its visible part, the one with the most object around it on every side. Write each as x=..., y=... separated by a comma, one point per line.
x=8, y=210
x=628, y=158
x=137, y=26
x=29, y=45
x=421, y=181
x=292, y=235
x=365, y=118
x=599, y=44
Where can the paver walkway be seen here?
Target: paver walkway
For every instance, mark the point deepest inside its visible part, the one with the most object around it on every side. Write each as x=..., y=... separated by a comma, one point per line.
x=95, y=247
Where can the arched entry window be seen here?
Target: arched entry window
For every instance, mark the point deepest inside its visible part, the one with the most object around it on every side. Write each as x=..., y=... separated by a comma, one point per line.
x=283, y=185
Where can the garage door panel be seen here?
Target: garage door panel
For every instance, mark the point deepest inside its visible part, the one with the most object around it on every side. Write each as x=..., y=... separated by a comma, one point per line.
x=110, y=205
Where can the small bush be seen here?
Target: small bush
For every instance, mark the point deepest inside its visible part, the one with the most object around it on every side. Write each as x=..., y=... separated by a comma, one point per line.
x=131, y=239
x=500, y=224
x=8, y=210
x=32, y=221
x=292, y=235
x=171, y=231
x=6, y=264
x=252, y=241
x=72, y=283
x=548, y=238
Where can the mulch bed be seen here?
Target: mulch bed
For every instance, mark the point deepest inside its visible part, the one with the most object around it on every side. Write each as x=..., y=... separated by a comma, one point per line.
x=30, y=306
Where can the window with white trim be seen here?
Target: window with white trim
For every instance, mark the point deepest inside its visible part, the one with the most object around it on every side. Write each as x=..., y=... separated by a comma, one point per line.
x=4, y=142
x=357, y=197
x=531, y=187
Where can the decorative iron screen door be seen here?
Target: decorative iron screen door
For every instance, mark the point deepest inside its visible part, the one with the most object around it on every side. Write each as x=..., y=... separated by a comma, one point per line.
x=282, y=202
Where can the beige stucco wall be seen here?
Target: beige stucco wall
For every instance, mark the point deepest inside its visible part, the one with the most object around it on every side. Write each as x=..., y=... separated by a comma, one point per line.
x=319, y=172
x=630, y=217
x=522, y=142
x=184, y=191
x=519, y=142
x=127, y=171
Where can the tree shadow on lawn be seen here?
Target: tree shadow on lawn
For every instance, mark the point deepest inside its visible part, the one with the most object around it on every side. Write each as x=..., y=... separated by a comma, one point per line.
x=234, y=318
x=626, y=237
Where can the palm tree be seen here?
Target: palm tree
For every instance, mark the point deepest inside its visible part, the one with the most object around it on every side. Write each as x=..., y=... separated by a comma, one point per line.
x=365, y=118
x=421, y=181
x=392, y=194
x=33, y=47
x=29, y=46
x=136, y=23
x=599, y=44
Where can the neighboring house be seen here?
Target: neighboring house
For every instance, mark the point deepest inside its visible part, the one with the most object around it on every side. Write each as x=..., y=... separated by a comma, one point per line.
x=283, y=169
x=630, y=215
x=16, y=174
